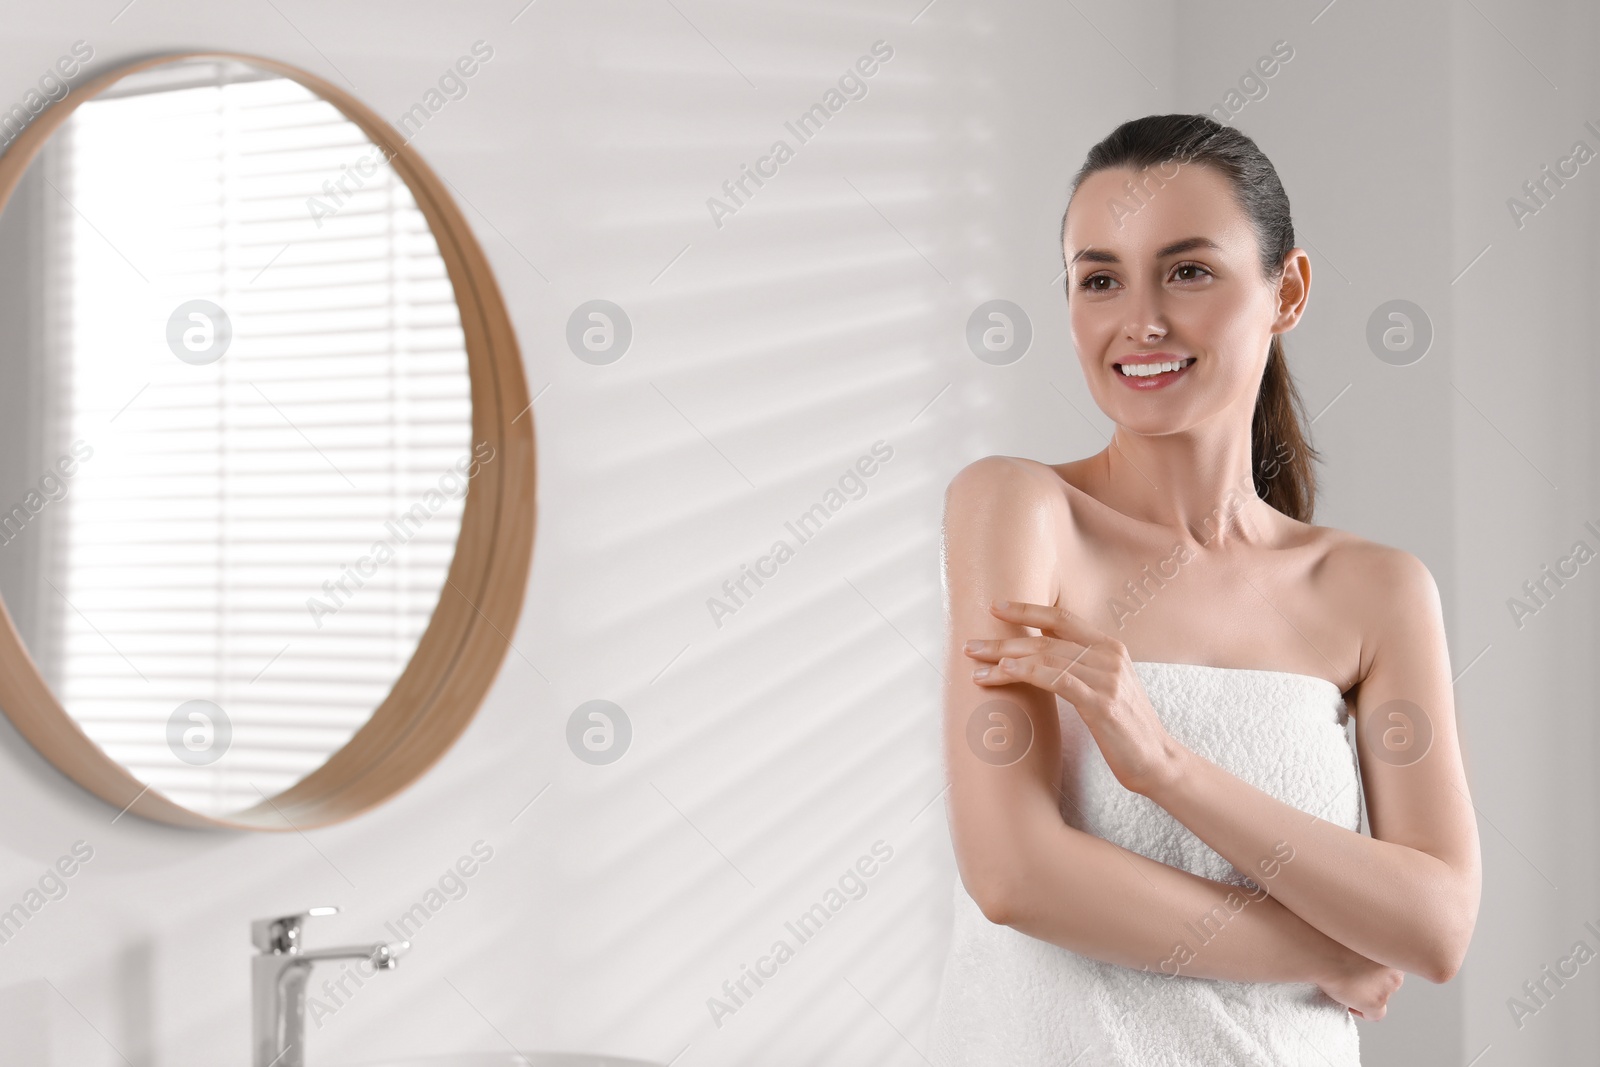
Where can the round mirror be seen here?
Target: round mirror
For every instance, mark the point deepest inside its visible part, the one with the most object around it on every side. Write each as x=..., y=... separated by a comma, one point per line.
x=266, y=452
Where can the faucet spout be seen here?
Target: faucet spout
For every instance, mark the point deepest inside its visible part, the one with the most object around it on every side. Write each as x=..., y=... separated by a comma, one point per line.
x=279, y=973
x=380, y=954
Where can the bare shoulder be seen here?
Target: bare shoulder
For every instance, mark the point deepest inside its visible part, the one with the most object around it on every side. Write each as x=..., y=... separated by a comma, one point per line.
x=1008, y=482
x=1002, y=517
x=1385, y=589
x=1375, y=567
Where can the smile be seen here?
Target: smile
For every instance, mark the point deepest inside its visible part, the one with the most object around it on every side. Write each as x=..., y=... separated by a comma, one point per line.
x=1145, y=370
x=1153, y=375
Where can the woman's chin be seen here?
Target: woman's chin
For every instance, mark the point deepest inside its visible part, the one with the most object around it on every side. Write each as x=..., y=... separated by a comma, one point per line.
x=1144, y=423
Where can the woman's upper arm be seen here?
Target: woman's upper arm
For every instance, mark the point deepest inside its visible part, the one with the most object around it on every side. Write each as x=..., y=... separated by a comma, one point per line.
x=1002, y=743
x=1412, y=769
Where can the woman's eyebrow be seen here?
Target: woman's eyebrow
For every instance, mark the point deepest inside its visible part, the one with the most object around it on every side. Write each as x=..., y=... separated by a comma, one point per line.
x=1188, y=244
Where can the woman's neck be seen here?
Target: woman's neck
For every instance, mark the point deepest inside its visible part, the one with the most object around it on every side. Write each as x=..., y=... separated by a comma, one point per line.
x=1168, y=481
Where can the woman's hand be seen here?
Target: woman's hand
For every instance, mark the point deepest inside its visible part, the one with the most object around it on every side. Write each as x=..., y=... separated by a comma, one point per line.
x=1362, y=986
x=1092, y=672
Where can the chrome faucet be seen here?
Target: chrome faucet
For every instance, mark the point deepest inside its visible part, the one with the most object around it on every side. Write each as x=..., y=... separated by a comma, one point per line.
x=278, y=975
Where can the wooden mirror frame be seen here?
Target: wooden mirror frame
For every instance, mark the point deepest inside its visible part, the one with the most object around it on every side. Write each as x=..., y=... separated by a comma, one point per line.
x=465, y=643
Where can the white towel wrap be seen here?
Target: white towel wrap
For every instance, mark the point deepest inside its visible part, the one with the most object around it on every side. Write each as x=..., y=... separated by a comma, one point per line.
x=1010, y=1000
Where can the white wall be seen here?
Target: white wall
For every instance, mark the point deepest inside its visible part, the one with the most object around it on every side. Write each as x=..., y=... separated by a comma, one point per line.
x=768, y=354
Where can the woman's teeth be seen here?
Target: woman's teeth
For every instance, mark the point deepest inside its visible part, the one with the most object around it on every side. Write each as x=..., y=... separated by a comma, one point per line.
x=1145, y=370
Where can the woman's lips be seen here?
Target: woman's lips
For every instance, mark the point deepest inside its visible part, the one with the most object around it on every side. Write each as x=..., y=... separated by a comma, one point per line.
x=1153, y=381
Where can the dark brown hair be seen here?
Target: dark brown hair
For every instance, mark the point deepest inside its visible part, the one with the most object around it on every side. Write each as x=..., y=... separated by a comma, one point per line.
x=1280, y=453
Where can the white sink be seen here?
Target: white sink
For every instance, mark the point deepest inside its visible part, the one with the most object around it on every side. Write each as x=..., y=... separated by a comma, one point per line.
x=509, y=1059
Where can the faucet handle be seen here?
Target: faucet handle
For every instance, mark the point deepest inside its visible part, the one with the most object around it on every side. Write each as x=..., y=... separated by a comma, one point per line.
x=282, y=934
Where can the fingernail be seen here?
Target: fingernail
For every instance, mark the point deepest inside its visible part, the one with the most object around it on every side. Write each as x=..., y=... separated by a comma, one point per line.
x=981, y=672
x=1002, y=604
x=973, y=646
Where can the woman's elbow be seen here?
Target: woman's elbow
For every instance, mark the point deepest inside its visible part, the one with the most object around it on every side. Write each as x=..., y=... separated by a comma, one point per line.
x=1446, y=962
x=1452, y=942
x=996, y=907
x=995, y=890
x=1450, y=954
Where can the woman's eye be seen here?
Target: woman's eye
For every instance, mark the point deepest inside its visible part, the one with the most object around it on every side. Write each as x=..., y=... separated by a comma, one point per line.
x=1090, y=283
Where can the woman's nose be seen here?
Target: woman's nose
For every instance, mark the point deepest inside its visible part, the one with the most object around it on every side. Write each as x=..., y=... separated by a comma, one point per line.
x=1145, y=324
x=1146, y=320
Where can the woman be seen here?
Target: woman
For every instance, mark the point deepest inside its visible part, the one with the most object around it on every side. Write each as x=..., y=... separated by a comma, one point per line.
x=1151, y=658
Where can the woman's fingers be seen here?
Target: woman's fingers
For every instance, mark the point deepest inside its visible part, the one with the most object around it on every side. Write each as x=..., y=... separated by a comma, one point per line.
x=1065, y=676
x=1055, y=677
x=1018, y=647
x=1054, y=620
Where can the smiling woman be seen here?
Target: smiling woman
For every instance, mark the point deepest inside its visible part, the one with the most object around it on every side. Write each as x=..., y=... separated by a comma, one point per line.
x=1108, y=820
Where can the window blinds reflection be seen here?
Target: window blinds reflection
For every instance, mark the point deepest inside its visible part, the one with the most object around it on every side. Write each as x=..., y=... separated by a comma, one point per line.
x=209, y=548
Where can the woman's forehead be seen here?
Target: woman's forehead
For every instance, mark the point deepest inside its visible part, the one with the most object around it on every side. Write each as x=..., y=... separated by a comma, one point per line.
x=1126, y=212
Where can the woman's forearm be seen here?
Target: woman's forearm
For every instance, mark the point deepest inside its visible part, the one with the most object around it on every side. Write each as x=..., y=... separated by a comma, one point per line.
x=1395, y=904
x=1100, y=900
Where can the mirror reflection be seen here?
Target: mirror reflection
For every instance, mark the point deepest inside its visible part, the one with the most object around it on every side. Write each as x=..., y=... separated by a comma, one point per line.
x=237, y=441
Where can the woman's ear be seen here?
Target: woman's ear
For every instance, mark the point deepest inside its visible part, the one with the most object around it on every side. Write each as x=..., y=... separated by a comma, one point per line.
x=1294, y=288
